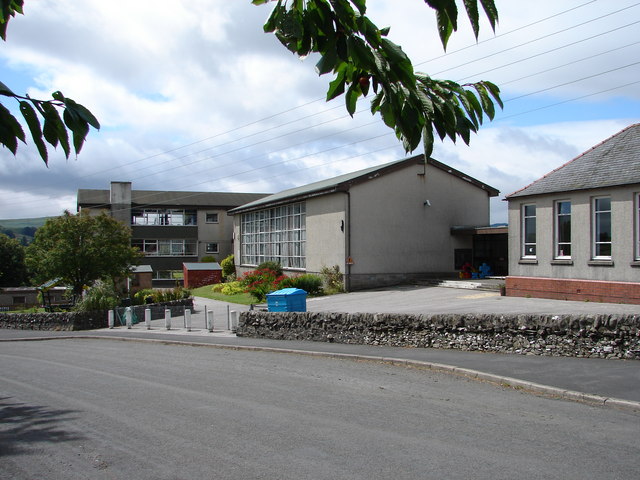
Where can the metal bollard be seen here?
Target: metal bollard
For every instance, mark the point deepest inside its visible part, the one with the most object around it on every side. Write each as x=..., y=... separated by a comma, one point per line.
x=167, y=319
x=233, y=321
x=147, y=318
x=128, y=316
x=187, y=319
x=110, y=319
x=210, y=321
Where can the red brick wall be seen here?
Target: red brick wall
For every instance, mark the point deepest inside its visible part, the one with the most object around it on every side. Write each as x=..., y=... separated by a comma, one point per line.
x=198, y=278
x=573, y=289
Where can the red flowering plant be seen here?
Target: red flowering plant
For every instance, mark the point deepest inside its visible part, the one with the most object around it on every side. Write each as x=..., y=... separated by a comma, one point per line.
x=261, y=282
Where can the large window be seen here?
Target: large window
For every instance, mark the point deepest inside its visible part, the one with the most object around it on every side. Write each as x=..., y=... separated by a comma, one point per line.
x=166, y=248
x=277, y=234
x=563, y=229
x=529, y=231
x=602, y=228
x=163, y=216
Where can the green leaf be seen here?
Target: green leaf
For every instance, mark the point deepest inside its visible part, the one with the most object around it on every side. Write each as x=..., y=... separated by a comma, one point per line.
x=327, y=62
x=445, y=28
x=58, y=95
x=82, y=112
x=361, y=5
x=359, y=53
x=491, y=11
x=472, y=12
x=33, y=122
x=54, y=130
x=351, y=98
x=10, y=130
x=494, y=91
x=274, y=18
x=6, y=91
x=78, y=127
x=487, y=104
x=336, y=87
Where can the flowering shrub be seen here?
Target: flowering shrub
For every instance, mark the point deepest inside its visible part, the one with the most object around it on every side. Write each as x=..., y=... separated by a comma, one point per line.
x=261, y=281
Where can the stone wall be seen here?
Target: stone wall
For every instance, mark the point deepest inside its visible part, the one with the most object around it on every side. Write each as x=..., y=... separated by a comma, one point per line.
x=603, y=336
x=84, y=320
x=54, y=320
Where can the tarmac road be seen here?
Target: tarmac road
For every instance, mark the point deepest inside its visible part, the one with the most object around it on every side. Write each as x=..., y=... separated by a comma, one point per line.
x=88, y=408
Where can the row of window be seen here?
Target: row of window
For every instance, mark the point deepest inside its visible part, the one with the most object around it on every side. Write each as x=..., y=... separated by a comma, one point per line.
x=168, y=216
x=171, y=248
x=278, y=234
x=166, y=248
x=601, y=236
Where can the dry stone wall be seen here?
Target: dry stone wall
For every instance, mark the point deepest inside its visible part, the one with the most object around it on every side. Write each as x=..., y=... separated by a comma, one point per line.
x=603, y=336
x=84, y=320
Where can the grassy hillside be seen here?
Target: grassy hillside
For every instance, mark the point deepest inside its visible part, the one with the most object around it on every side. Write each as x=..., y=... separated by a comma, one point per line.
x=18, y=223
x=21, y=228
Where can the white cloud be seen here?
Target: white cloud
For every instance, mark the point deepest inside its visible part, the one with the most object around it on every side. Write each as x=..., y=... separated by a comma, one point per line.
x=194, y=96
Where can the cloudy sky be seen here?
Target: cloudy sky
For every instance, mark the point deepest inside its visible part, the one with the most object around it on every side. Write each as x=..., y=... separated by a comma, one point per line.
x=192, y=95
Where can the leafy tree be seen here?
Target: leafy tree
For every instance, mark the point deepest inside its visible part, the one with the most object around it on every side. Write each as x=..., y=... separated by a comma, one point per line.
x=13, y=270
x=75, y=117
x=361, y=57
x=80, y=249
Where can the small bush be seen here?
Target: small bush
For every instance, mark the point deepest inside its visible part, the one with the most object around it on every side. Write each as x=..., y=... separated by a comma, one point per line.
x=148, y=295
x=102, y=296
x=208, y=259
x=228, y=267
x=232, y=288
x=333, y=280
x=310, y=283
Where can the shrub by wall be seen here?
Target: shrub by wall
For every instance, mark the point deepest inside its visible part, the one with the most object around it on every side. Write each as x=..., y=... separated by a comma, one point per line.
x=603, y=336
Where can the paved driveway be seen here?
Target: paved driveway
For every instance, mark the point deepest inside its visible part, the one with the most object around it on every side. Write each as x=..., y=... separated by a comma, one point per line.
x=419, y=299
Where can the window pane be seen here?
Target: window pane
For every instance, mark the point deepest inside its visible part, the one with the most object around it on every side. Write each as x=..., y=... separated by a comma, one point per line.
x=530, y=230
x=603, y=204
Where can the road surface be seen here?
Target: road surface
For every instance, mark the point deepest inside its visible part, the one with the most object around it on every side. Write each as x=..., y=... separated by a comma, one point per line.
x=78, y=409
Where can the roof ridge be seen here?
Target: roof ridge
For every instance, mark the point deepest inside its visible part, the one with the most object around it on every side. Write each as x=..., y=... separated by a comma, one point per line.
x=575, y=158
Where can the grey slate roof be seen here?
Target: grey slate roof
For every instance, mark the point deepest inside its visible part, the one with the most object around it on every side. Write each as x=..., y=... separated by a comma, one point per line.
x=613, y=162
x=154, y=198
x=204, y=266
x=343, y=182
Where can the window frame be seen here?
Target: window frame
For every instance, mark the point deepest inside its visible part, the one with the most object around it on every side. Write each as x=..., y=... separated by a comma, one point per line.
x=164, y=247
x=524, y=243
x=596, y=220
x=212, y=250
x=275, y=234
x=163, y=217
x=206, y=217
x=557, y=216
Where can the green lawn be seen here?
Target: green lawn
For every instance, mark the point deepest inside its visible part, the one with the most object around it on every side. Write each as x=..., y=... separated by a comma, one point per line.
x=206, y=292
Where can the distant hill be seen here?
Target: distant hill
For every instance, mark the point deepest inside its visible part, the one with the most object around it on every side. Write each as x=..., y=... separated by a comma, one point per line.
x=22, y=229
